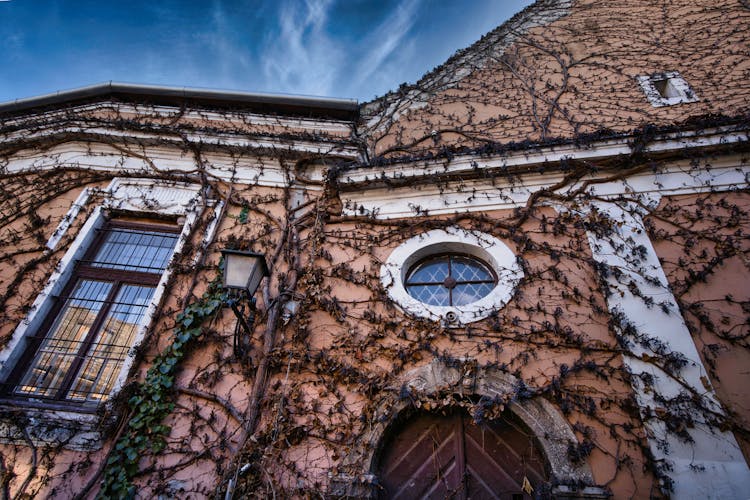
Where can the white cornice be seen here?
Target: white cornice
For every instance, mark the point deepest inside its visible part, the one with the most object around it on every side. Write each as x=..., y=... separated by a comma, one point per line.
x=426, y=170
x=243, y=168
x=501, y=192
x=312, y=125
x=316, y=146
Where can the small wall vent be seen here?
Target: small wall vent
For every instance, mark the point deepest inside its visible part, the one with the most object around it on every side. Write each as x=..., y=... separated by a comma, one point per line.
x=666, y=89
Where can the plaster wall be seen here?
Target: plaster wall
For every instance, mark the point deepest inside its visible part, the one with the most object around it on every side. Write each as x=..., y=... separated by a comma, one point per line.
x=704, y=255
x=576, y=75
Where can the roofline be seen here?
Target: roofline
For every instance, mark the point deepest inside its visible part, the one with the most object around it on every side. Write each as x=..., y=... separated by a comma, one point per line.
x=283, y=103
x=538, y=14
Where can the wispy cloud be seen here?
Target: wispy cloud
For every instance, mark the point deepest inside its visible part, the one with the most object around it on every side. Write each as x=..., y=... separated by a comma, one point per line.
x=388, y=44
x=231, y=57
x=342, y=48
x=301, y=56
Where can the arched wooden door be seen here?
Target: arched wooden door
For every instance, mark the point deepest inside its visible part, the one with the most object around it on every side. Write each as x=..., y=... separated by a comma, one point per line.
x=449, y=456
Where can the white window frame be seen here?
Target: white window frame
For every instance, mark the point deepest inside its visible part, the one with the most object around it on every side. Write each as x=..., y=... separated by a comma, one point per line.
x=73, y=428
x=490, y=250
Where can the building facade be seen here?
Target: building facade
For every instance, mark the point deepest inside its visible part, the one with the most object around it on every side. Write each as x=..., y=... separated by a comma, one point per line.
x=523, y=276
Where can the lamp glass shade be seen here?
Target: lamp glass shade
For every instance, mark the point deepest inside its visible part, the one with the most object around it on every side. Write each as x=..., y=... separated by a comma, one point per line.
x=243, y=270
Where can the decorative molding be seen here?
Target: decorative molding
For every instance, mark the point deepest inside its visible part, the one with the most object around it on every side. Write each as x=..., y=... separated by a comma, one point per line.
x=552, y=431
x=68, y=218
x=485, y=247
x=504, y=192
x=245, y=168
x=509, y=163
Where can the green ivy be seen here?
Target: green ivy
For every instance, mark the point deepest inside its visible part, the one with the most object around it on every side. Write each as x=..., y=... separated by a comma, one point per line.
x=153, y=399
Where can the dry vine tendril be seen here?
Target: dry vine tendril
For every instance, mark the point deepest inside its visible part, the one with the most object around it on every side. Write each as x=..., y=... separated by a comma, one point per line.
x=318, y=380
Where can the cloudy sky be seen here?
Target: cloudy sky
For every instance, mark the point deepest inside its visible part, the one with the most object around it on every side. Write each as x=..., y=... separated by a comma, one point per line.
x=339, y=48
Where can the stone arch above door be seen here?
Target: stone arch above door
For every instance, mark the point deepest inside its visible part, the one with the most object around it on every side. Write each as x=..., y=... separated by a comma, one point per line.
x=465, y=378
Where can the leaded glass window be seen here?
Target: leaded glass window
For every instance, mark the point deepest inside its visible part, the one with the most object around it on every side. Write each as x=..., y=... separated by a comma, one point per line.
x=79, y=354
x=450, y=280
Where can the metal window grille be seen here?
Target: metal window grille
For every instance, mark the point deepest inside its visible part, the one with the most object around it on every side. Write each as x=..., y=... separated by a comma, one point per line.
x=78, y=353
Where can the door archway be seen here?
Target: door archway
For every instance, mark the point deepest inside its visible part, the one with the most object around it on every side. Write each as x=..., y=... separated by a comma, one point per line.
x=448, y=455
x=357, y=473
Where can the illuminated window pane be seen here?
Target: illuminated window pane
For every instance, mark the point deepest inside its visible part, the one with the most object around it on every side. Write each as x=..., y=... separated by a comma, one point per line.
x=97, y=375
x=80, y=355
x=60, y=347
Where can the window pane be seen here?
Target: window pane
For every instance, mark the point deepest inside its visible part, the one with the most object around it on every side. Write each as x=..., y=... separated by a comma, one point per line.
x=146, y=251
x=466, y=294
x=465, y=269
x=97, y=375
x=432, y=271
x=435, y=295
x=59, y=349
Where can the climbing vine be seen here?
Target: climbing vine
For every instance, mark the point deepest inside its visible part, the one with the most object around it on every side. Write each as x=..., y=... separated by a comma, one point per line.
x=153, y=399
x=330, y=352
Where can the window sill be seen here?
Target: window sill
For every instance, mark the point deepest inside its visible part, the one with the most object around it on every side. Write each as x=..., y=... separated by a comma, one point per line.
x=54, y=425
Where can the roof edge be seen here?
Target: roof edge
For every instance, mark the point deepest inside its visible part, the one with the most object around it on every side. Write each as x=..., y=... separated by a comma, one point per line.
x=465, y=60
x=289, y=103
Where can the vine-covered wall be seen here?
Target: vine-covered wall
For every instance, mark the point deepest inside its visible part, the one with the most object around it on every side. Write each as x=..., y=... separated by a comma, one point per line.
x=331, y=352
x=568, y=68
x=704, y=249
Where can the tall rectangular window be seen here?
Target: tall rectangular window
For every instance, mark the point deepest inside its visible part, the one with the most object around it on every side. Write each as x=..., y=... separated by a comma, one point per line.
x=79, y=352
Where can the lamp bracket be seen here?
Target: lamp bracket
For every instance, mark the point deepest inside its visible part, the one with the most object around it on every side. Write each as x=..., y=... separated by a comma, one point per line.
x=242, y=343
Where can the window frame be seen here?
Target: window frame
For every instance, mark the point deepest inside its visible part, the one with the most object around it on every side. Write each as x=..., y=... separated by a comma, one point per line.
x=484, y=247
x=674, y=81
x=82, y=269
x=450, y=256
x=74, y=426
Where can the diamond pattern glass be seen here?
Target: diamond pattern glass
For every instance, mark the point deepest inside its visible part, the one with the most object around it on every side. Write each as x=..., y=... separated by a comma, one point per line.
x=464, y=269
x=432, y=271
x=470, y=280
x=435, y=295
x=468, y=293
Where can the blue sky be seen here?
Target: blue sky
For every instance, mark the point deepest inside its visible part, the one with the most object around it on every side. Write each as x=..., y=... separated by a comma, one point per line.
x=338, y=48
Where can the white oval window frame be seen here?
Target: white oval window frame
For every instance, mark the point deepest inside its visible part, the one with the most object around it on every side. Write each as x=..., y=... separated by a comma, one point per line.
x=484, y=247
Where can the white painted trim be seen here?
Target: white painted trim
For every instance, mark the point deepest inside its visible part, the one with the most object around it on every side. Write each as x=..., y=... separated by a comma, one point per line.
x=321, y=146
x=241, y=119
x=454, y=239
x=68, y=218
x=211, y=227
x=250, y=169
x=504, y=192
x=544, y=155
x=712, y=466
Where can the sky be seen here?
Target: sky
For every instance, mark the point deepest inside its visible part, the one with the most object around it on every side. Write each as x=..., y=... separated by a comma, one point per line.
x=356, y=49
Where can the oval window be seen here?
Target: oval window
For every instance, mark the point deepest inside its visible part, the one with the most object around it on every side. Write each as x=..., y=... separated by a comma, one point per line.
x=452, y=275
x=450, y=280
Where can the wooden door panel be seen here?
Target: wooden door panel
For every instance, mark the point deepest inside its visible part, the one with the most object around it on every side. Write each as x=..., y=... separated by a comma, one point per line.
x=504, y=450
x=420, y=462
x=490, y=472
x=449, y=456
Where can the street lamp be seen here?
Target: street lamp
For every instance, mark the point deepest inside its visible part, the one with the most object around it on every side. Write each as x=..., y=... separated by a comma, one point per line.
x=243, y=272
